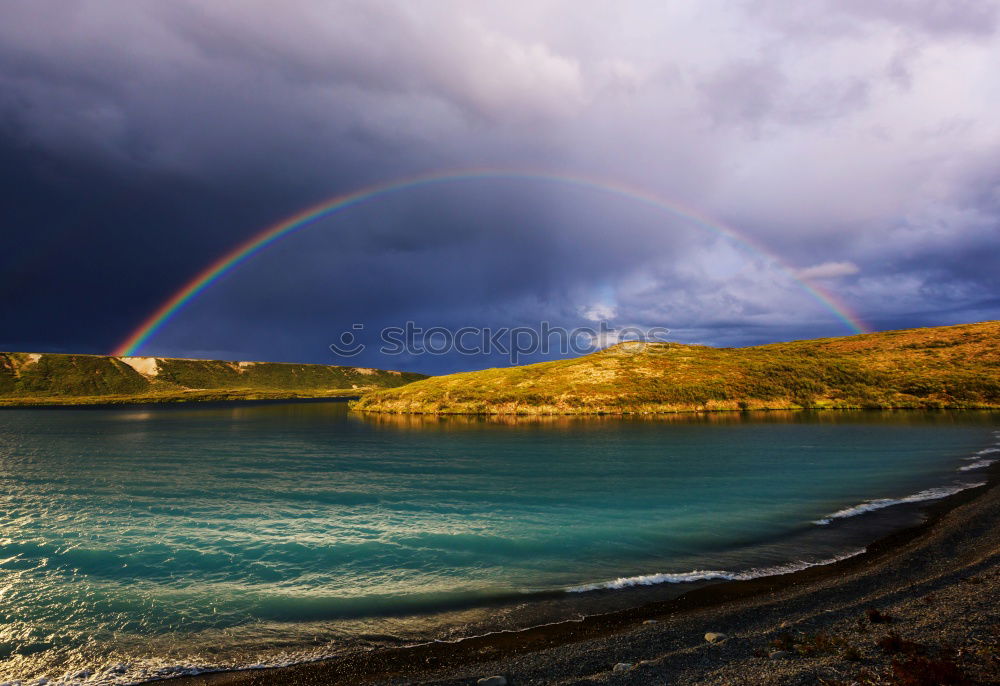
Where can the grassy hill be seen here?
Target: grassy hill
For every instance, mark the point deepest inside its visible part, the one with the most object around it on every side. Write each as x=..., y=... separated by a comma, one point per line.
x=56, y=379
x=954, y=366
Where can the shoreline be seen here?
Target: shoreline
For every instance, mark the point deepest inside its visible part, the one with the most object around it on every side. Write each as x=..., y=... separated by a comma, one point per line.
x=352, y=395
x=466, y=659
x=207, y=398
x=525, y=414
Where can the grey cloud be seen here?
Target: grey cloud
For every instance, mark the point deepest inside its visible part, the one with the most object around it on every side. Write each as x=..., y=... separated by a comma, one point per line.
x=932, y=16
x=828, y=270
x=744, y=92
x=759, y=96
x=838, y=18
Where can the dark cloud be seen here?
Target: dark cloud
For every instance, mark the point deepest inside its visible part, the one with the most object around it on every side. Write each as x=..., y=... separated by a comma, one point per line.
x=139, y=141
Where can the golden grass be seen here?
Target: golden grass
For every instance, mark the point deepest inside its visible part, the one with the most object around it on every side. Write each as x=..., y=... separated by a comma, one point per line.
x=57, y=379
x=942, y=367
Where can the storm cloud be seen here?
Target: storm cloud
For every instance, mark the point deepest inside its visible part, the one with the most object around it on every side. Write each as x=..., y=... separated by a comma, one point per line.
x=851, y=144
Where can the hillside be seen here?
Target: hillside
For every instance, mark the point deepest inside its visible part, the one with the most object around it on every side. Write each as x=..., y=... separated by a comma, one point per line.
x=49, y=378
x=954, y=366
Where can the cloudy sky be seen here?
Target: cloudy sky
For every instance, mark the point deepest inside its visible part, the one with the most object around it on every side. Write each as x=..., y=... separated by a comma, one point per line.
x=852, y=144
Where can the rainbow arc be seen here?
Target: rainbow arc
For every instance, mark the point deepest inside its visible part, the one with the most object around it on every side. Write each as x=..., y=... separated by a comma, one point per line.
x=309, y=216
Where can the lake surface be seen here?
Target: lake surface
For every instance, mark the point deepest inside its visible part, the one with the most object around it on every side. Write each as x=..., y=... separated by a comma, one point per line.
x=146, y=542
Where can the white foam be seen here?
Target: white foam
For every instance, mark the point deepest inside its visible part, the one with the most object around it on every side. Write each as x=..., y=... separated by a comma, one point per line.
x=978, y=464
x=871, y=505
x=653, y=579
x=705, y=575
x=985, y=451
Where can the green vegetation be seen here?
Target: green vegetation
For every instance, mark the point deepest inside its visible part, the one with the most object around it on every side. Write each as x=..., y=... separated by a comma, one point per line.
x=944, y=367
x=55, y=379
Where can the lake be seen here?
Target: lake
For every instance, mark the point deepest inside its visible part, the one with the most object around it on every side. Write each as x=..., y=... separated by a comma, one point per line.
x=145, y=542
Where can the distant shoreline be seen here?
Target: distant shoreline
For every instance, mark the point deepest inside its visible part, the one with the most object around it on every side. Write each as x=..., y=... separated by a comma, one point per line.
x=963, y=524
x=193, y=398
x=528, y=413
x=209, y=397
x=206, y=402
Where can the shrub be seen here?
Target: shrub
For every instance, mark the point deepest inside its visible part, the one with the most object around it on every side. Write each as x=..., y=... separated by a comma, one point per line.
x=893, y=644
x=851, y=654
x=783, y=641
x=876, y=617
x=921, y=671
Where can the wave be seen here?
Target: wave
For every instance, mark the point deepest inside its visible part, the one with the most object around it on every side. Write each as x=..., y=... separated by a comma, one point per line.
x=984, y=451
x=922, y=496
x=706, y=575
x=978, y=464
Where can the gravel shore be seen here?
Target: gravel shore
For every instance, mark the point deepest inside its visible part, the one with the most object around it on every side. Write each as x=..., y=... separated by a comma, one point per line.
x=921, y=607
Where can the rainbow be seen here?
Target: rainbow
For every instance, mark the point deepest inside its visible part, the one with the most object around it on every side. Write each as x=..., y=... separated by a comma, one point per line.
x=260, y=241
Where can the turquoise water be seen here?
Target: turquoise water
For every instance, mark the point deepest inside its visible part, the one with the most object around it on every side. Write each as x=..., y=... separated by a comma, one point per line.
x=145, y=542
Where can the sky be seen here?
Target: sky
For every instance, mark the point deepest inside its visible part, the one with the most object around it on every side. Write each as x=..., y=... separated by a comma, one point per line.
x=851, y=146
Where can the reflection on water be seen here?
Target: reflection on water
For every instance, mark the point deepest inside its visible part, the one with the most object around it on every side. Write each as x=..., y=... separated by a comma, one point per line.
x=851, y=417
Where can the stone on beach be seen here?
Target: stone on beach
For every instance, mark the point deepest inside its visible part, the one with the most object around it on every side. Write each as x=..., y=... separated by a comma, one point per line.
x=492, y=681
x=714, y=637
x=622, y=667
x=779, y=654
